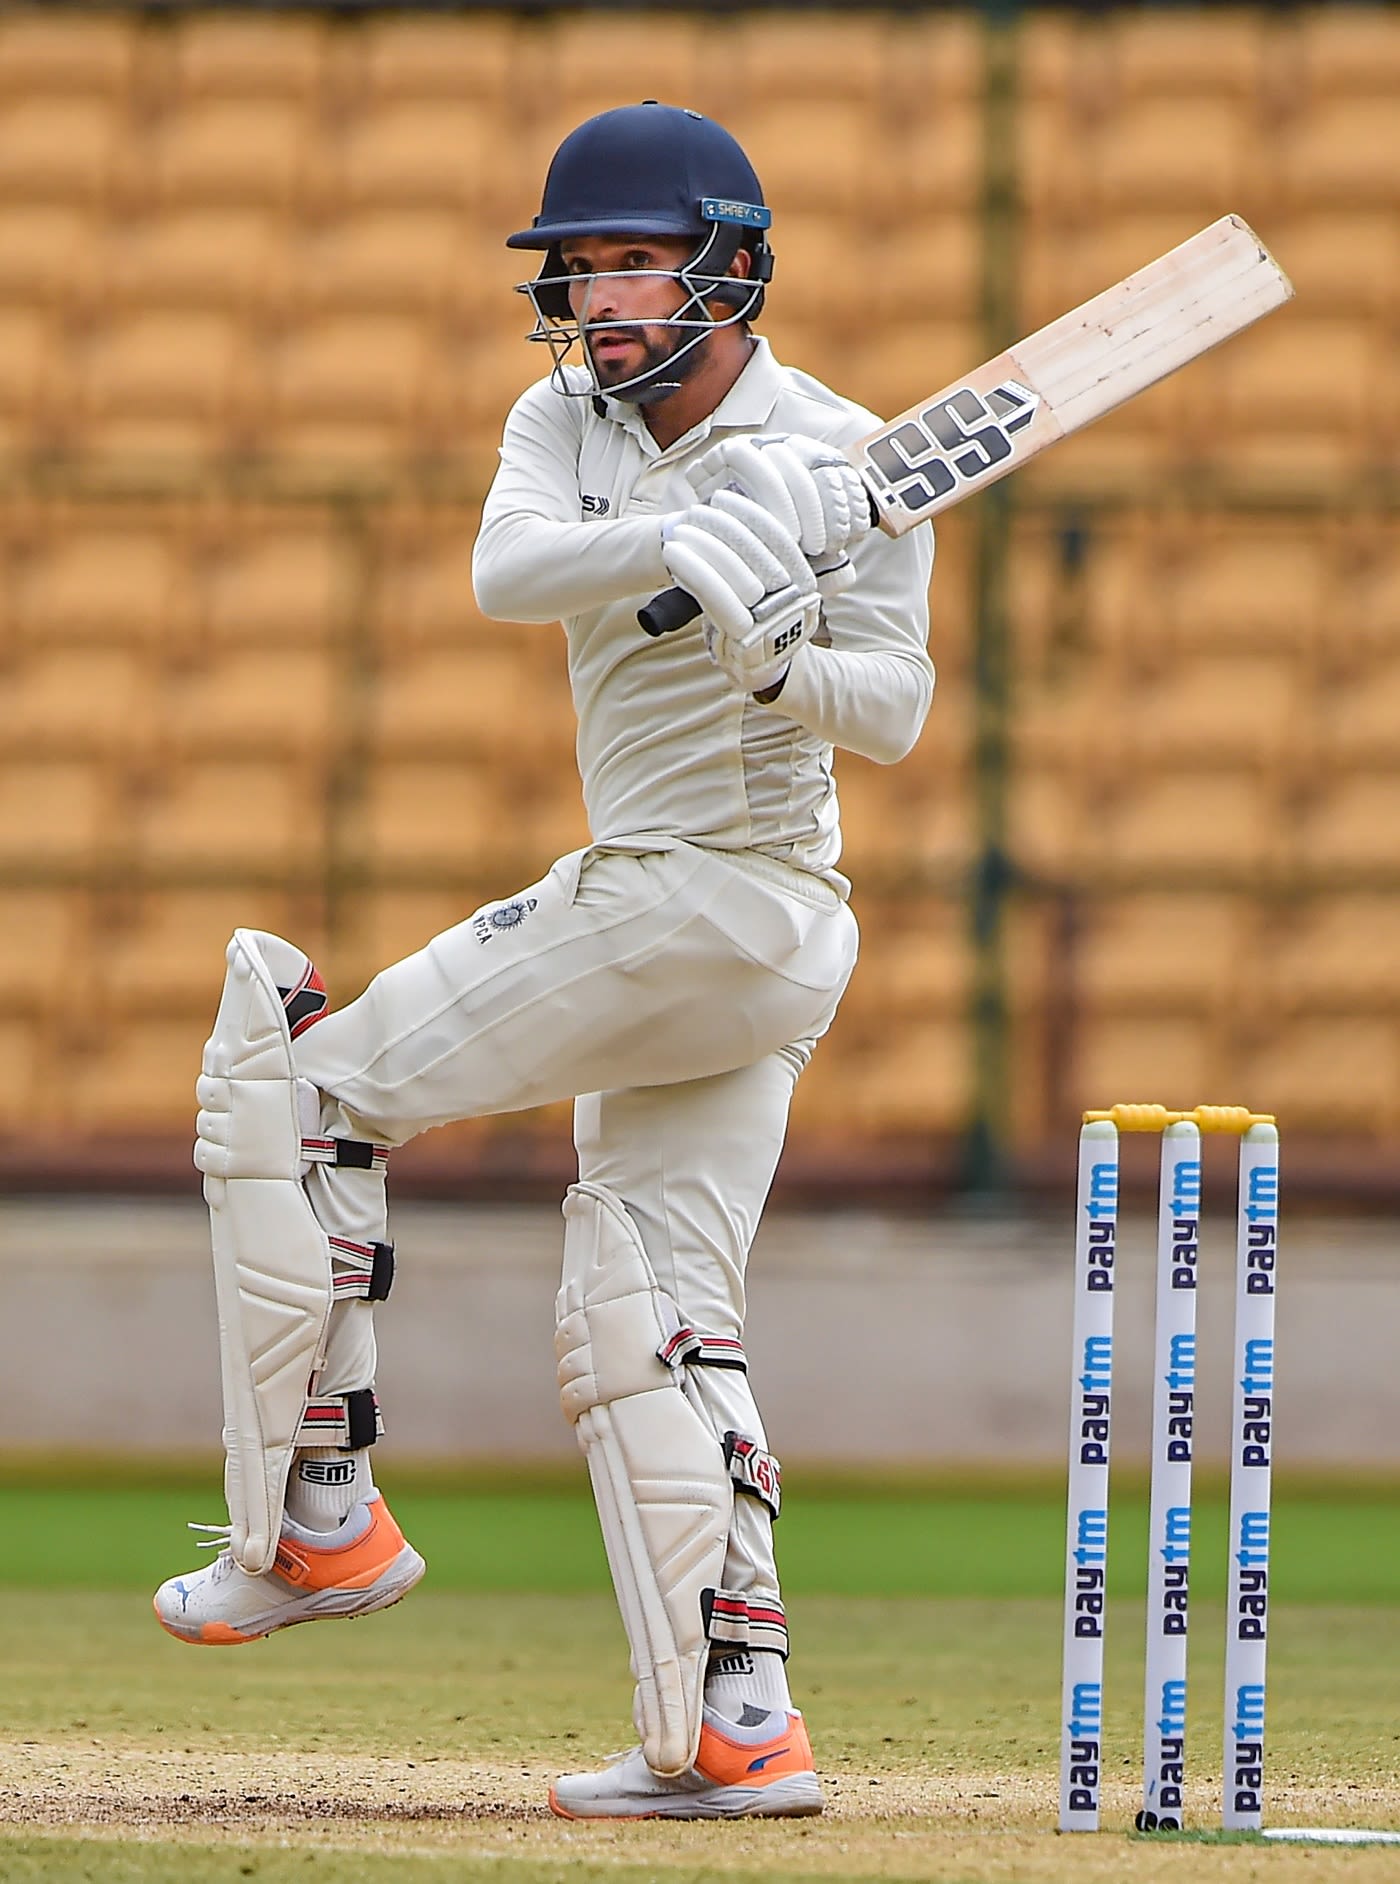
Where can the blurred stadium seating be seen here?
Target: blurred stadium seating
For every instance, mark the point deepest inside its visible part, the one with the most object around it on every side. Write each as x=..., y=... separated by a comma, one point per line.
x=256, y=342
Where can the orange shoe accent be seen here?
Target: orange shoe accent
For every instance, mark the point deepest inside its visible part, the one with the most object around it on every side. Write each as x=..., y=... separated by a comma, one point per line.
x=223, y=1635
x=216, y=1634
x=743, y=1763
x=342, y=1566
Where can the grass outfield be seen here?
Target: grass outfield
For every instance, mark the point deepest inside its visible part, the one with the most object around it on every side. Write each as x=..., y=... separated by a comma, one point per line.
x=418, y=1744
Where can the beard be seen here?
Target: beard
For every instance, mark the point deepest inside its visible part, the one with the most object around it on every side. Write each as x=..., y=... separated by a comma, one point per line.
x=656, y=356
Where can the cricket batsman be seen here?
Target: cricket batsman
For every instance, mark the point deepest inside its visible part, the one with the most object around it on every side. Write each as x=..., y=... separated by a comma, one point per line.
x=673, y=977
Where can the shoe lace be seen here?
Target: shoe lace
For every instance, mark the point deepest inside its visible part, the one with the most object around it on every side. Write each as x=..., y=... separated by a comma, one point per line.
x=220, y=1538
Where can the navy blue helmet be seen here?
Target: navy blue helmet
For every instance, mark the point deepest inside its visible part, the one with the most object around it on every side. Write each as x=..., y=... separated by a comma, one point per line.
x=652, y=170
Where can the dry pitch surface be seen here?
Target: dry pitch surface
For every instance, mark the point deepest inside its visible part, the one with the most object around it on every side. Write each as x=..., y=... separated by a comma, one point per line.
x=418, y=1745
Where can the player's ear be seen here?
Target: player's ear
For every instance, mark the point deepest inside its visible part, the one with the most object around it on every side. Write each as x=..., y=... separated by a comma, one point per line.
x=738, y=270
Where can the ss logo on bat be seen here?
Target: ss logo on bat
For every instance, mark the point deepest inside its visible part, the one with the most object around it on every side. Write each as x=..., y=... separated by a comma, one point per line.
x=959, y=438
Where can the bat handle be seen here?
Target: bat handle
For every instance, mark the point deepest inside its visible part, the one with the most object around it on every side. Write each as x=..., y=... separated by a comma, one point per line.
x=666, y=612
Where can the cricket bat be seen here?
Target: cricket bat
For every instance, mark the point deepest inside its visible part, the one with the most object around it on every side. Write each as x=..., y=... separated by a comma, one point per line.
x=1057, y=381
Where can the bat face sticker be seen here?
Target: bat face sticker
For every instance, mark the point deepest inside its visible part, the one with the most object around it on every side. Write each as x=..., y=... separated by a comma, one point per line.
x=959, y=438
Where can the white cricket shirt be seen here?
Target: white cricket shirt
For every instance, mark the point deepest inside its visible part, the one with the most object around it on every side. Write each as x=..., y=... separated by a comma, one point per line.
x=668, y=747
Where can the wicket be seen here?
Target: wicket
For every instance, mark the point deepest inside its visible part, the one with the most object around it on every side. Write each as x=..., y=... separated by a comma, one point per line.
x=1173, y=1421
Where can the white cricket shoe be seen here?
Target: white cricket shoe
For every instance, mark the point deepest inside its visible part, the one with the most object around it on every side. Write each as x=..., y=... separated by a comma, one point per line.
x=760, y=1772
x=365, y=1565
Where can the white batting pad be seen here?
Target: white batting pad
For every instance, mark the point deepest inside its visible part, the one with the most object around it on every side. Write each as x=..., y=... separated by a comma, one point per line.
x=659, y=1475
x=272, y=1265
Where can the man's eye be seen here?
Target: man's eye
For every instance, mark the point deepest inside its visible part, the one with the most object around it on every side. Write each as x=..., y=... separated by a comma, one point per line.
x=639, y=258
x=578, y=268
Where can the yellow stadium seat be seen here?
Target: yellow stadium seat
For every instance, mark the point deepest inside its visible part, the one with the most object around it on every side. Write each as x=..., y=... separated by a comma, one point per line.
x=54, y=813
x=1339, y=953
x=889, y=829
x=1349, y=49
x=889, y=371
x=919, y=1081
x=1142, y=953
x=1204, y=708
x=467, y=703
x=152, y=1060
x=1052, y=162
x=1238, y=582
x=42, y=949
x=939, y=168
x=408, y=55
x=1340, y=155
x=1358, y=716
x=934, y=55
x=814, y=266
x=59, y=150
x=69, y=702
x=212, y=257
x=407, y=261
x=1175, y=1055
x=44, y=54
x=1326, y=1076
x=49, y=255
x=32, y=379
x=1373, y=602
x=224, y=815
x=938, y=276
x=477, y=379
x=582, y=71
x=1190, y=151
x=549, y=825
x=1222, y=822
x=245, y=56
x=243, y=151
x=915, y=959
x=99, y=581
x=245, y=702
x=167, y=951
x=1335, y=375
x=1351, y=826
x=385, y=926
x=273, y=583
x=159, y=384
x=348, y=386
x=420, y=155
x=23, y=1053
x=1192, y=53
x=787, y=55
x=1068, y=58
x=425, y=593
x=811, y=160
x=443, y=819
x=1341, y=261
x=1048, y=826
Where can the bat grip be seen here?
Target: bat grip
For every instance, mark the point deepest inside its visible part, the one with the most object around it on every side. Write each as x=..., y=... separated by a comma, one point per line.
x=669, y=610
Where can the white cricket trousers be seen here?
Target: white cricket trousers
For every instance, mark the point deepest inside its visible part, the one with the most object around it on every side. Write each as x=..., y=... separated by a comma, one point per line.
x=675, y=994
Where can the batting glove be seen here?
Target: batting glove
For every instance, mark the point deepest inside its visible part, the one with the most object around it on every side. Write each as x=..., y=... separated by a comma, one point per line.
x=808, y=486
x=759, y=594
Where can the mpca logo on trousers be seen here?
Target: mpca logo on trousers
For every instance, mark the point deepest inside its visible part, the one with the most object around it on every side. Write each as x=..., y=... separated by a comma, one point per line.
x=505, y=916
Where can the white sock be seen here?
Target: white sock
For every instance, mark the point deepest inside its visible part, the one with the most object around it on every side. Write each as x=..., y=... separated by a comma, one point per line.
x=745, y=1684
x=325, y=1484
